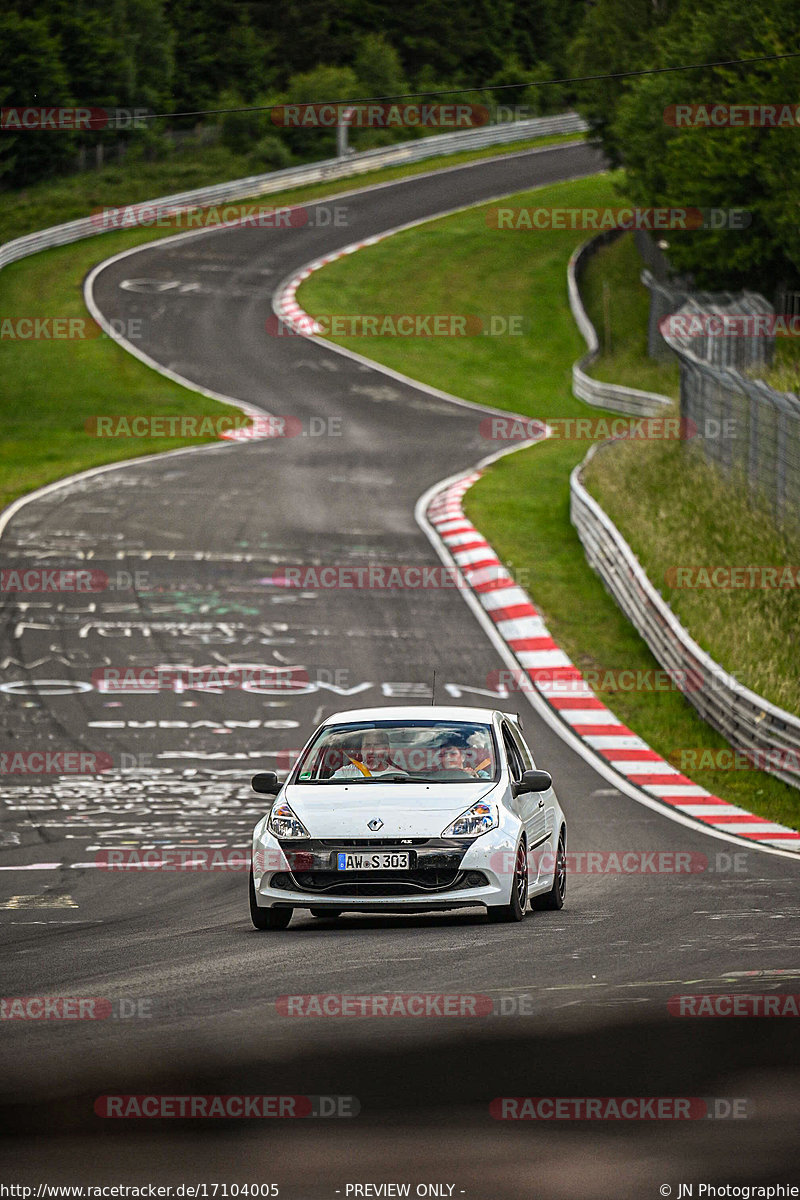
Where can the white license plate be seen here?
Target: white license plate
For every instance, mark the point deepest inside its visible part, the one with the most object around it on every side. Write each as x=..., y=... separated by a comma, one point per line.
x=382, y=860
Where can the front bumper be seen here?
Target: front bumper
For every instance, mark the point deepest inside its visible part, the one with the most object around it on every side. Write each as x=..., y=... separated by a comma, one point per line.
x=444, y=873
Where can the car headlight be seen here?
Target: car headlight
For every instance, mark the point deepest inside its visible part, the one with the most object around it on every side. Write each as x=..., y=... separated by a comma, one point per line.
x=476, y=820
x=284, y=824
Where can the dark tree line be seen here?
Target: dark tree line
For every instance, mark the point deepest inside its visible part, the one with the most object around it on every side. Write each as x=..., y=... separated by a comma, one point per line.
x=186, y=55
x=751, y=167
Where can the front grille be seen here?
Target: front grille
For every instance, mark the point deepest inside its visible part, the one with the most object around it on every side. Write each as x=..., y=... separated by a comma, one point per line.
x=358, y=843
x=435, y=865
x=363, y=884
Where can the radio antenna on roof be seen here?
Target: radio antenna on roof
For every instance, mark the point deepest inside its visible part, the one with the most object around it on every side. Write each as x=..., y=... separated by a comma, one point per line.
x=433, y=699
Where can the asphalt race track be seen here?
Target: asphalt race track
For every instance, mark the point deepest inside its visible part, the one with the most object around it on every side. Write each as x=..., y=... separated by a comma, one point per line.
x=193, y=541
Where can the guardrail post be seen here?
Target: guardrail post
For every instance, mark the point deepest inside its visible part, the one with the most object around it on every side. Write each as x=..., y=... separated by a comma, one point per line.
x=342, y=126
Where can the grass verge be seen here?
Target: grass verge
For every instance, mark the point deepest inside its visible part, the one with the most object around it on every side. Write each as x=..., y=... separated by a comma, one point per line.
x=618, y=304
x=53, y=387
x=522, y=502
x=703, y=519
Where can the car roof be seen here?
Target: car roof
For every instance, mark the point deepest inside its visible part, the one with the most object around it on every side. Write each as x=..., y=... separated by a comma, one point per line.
x=415, y=712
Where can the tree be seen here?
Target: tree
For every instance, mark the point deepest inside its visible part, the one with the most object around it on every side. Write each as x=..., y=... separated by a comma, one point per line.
x=216, y=47
x=7, y=140
x=323, y=83
x=32, y=74
x=377, y=66
x=753, y=168
x=614, y=36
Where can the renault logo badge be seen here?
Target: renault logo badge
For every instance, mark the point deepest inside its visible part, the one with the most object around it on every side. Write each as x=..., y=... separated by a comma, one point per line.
x=375, y=823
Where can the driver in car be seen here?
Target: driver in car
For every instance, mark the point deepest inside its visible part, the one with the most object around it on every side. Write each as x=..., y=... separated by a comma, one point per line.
x=375, y=760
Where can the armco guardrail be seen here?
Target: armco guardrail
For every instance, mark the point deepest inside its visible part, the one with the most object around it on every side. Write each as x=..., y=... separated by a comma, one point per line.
x=748, y=721
x=331, y=168
x=594, y=391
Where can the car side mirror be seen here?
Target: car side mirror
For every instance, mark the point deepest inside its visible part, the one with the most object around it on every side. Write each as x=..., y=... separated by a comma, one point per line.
x=266, y=782
x=532, y=781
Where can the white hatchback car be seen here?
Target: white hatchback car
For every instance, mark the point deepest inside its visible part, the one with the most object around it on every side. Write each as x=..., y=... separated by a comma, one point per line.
x=409, y=809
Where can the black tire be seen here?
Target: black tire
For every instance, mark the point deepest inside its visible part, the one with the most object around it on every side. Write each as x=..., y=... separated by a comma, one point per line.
x=515, y=911
x=554, y=899
x=325, y=912
x=267, y=918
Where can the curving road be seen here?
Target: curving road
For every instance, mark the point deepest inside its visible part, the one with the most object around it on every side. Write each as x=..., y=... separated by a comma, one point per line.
x=200, y=536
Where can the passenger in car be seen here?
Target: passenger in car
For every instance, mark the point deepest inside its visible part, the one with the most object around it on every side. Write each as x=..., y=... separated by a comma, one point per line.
x=454, y=755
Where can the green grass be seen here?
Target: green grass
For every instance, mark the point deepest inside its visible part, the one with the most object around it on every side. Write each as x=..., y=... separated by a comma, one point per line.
x=703, y=519
x=623, y=345
x=55, y=201
x=522, y=502
x=50, y=388
x=525, y=276
x=784, y=373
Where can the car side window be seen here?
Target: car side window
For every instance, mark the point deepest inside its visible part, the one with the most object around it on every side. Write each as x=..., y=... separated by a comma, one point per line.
x=513, y=754
x=524, y=752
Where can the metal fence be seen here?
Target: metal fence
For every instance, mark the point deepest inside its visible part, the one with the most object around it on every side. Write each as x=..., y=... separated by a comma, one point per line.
x=665, y=299
x=746, y=428
x=746, y=719
x=332, y=168
x=674, y=300
x=789, y=303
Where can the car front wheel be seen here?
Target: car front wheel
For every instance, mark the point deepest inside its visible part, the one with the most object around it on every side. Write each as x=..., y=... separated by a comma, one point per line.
x=515, y=911
x=267, y=918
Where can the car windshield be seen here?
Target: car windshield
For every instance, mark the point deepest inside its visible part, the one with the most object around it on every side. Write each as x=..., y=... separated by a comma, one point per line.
x=400, y=752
